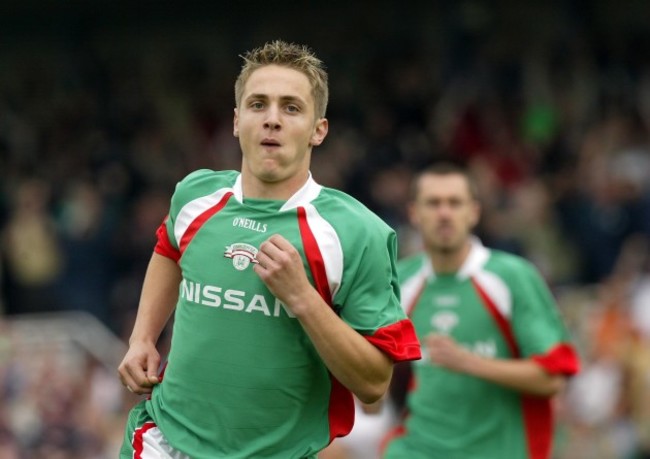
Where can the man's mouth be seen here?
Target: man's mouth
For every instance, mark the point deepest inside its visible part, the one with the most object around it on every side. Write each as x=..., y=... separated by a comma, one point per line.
x=445, y=229
x=270, y=143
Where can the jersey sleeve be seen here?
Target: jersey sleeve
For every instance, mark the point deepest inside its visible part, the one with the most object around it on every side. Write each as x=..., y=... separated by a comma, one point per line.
x=369, y=298
x=538, y=326
x=166, y=243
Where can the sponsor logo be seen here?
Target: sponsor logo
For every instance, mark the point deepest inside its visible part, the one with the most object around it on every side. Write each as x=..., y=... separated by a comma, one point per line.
x=233, y=300
x=444, y=322
x=242, y=255
x=250, y=224
x=446, y=301
x=487, y=348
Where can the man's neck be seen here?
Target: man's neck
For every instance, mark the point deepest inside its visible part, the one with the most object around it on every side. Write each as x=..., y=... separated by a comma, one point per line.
x=449, y=262
x=253, y=188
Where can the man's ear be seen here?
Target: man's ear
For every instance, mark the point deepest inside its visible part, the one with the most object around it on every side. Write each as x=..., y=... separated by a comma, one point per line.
x=320, y=132
x=235, y=123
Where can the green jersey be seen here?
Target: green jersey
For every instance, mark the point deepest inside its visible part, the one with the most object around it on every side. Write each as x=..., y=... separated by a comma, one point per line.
x=242, y=378
x=497, y=306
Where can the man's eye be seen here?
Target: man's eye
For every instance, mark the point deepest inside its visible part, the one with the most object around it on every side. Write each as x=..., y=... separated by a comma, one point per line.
x=257, y=105
x=292, y=108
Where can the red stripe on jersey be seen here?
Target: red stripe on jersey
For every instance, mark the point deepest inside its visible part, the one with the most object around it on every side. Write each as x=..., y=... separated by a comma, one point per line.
x=314, y=257
x=538, y=419
x=502, y=322
x=341, y=403
x=562, y=359
x=537, y=413
x=164, y=247
x=138, y=440
x=341, y=409
x=200, y=220
x=398, y=340
x=392, y=434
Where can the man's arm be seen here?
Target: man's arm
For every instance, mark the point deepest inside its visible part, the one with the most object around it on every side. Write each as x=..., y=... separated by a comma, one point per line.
x=355, y=362
x=523, y=375
x=139, y=368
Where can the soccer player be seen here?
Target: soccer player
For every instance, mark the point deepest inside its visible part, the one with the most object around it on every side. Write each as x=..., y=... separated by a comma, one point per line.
x=284, y=292
x=495, y=349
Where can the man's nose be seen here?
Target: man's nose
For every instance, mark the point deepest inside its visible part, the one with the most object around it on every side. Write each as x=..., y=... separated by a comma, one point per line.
x=272, y=119
x=445, y=211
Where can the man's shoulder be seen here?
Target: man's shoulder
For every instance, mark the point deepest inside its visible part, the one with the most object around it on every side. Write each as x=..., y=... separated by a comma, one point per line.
x=509, y=265
x=413, y=261
x=337, y=205
x=208, y=177
x=409, y=266
x=203, y=182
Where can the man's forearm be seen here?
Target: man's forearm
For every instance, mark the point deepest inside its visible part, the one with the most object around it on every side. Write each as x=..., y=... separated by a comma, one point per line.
x=157, y=300
x=355, y=362
x=522, y=375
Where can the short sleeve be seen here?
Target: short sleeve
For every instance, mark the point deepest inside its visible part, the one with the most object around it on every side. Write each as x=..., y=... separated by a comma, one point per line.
x=185, y=191
x=369, y=298
x=538, y=326
x=166, y=245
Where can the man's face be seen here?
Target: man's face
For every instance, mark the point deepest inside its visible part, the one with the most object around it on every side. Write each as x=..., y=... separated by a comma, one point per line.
x=444, y=212
x=276, y=124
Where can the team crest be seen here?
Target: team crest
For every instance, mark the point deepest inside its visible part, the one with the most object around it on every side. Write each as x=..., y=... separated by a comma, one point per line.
x=242, y=255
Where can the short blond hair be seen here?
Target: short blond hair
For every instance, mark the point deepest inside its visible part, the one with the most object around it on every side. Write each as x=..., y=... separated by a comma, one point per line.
x=293, y=56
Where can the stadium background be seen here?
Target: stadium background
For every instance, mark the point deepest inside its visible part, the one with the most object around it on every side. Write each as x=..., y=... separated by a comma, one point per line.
x=105, y=105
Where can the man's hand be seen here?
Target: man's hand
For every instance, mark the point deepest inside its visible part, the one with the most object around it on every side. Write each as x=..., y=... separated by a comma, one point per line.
x=139, y=368
x=447, y=353
x=522, y=375
x=281, y=268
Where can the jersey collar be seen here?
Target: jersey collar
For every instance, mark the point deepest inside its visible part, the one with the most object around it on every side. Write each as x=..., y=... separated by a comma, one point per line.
x=476, y=259
x=307, y=193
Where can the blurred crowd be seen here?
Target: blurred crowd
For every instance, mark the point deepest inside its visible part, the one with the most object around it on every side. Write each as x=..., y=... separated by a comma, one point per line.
x=93, y=139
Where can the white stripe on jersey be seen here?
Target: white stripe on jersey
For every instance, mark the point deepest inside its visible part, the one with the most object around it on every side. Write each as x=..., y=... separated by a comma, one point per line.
x=330, y=247
x=155, y=446
x=412, y=287
x=238, y=191
x=190, y=211
x=476, y=259
x=497, y=290
x=306, y=194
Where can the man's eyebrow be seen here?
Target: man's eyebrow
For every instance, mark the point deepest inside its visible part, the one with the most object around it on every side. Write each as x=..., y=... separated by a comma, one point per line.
x=291, y=99
x=287, y=98
x=256, y=97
